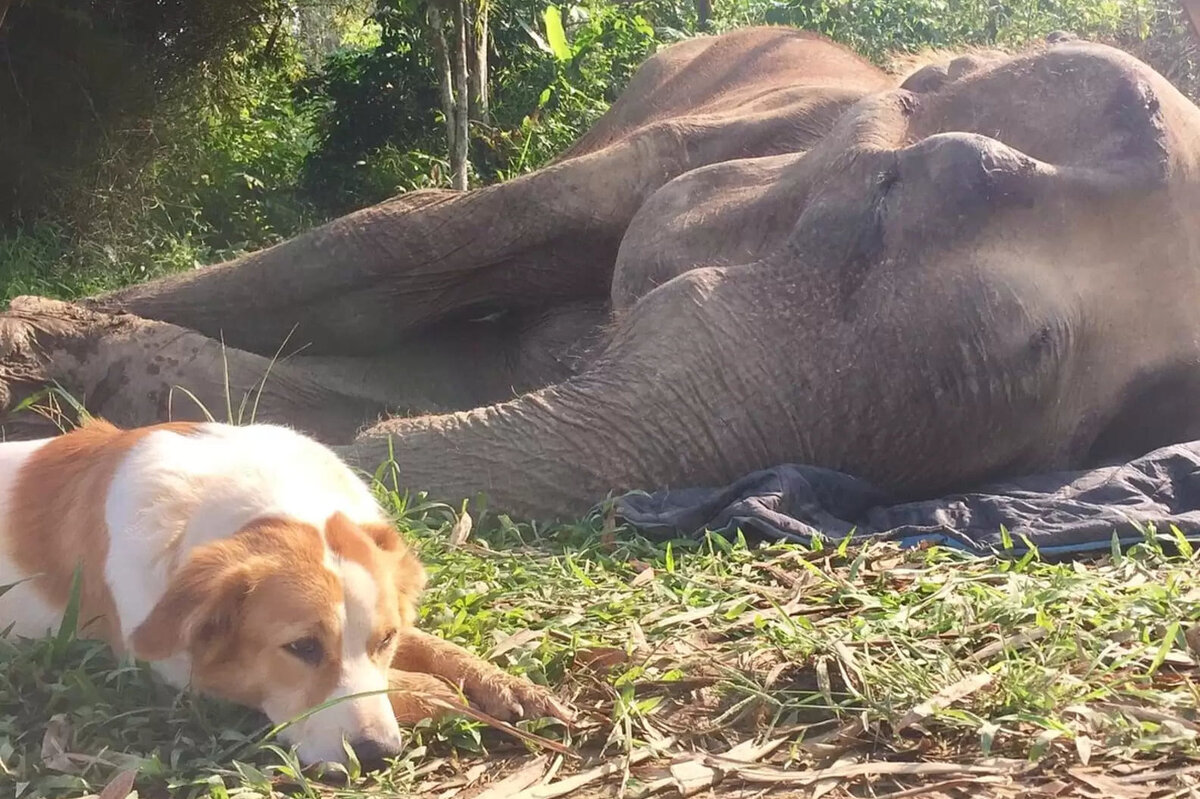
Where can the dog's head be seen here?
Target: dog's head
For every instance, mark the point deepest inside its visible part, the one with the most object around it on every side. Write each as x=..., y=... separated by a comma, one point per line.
x=285, y=617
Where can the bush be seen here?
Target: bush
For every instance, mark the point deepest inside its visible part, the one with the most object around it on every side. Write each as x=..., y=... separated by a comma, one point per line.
x=155, y=161
x=86, y=81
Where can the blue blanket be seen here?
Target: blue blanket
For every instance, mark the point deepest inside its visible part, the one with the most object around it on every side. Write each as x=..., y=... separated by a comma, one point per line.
x=1061, y=513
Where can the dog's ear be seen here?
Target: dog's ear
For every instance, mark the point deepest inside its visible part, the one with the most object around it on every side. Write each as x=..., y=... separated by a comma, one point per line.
x=384, y=535
x=201, y=606
x=410, y=574
x=410, y=580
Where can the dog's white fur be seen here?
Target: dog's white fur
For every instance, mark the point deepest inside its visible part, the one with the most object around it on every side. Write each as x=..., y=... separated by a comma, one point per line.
x=173, y=492
x=22, y=607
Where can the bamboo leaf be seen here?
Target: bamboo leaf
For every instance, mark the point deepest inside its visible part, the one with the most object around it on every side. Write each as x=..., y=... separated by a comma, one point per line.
x=556, y=36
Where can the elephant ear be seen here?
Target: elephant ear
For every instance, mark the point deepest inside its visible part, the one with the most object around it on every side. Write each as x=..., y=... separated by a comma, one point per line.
x=199, y=611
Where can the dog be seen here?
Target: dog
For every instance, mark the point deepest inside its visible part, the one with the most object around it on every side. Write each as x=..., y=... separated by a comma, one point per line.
x=244, y=562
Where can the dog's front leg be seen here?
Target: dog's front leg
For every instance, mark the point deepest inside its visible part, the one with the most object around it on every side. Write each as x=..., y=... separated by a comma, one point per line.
x=415, y=696
x=494, y=691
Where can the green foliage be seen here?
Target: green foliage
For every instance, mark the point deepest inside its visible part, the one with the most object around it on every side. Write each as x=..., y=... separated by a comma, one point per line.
x=878, y=27
x=571, y=67
x=1152, y=29
x=149, y=151
x=231, y=157
x=377, y=105
x=195, y=162
x=85, y=79
x=375, y=109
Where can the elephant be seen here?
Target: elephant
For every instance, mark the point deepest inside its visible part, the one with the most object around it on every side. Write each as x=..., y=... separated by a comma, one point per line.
x=768, y=250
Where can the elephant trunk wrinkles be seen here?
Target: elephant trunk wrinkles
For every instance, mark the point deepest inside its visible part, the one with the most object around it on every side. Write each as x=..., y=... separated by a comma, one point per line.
x=630, y=422
x=554, y=452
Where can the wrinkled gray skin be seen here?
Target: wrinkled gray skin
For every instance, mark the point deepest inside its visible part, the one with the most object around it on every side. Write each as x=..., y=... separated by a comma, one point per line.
x=765, y=252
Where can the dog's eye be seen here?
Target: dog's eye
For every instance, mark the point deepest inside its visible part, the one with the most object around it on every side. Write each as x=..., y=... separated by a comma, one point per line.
x=386, y=641
x=307, y=649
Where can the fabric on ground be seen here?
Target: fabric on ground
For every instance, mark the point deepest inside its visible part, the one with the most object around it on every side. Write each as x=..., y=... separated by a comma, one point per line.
x=1060, y=513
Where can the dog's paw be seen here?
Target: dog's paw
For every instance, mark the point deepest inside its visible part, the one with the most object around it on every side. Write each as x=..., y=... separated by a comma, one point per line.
x=510, y=698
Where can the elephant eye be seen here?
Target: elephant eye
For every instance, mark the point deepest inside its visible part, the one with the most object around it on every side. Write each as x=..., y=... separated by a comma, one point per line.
x=308, y=649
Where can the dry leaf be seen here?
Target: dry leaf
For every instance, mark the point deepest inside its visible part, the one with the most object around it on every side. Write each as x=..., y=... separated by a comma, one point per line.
x=600, y=657
x=948, y=695
x=55, y=742
x=608, y=529
x=637, y=635
x=691, y=776
x=503, y=726
x=576, y=781
x=120, y=786
x=1151, y=715
x=1110, y=788
x=848, y=666
x=1017, y=641
x=699, y=772
x=774, y=674
x=1083, y=747
x=515, y=641
x=1192, y=636
x=516, y=782
x=829, y=743
x=1151, y=775
x=456, y=785
x=642, y=577
x=461, y=530
x=822, y=787
x=775, y=776
x=685, y=617
x=937, y=789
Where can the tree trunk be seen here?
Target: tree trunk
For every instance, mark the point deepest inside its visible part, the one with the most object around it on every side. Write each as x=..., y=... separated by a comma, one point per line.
x=458, y=155
x=1191, y=9
x=445, y=80
x=479, y=66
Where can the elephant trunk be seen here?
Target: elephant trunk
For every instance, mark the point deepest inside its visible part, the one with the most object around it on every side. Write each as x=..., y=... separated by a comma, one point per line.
x=550, y=453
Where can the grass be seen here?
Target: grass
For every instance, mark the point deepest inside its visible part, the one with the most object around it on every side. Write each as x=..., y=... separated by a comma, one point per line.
x=891, y=669
x=48, y=260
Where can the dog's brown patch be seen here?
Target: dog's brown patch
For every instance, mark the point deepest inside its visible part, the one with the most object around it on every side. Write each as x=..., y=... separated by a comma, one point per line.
x=237, y=602
x=56, y=522
x=397, y=572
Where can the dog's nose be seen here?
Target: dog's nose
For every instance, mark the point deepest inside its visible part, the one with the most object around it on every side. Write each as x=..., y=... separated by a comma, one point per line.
x=371, y=752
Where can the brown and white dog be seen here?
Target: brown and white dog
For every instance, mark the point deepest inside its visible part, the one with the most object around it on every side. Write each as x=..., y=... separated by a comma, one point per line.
x=249, y=563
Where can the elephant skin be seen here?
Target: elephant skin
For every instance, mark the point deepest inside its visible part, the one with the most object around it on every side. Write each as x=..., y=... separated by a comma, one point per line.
x=767, y=251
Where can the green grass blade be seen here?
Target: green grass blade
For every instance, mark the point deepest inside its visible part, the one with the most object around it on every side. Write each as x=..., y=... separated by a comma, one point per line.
x=70, y=620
